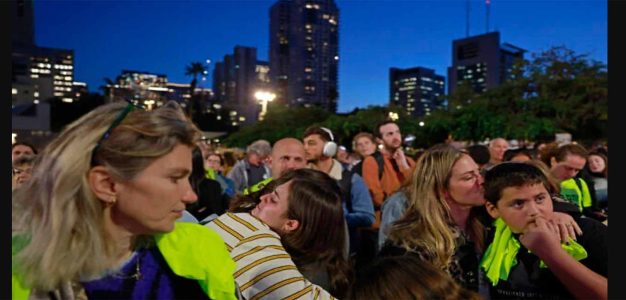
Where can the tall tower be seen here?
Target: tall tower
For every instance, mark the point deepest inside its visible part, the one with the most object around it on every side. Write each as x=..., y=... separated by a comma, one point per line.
x=304, y=52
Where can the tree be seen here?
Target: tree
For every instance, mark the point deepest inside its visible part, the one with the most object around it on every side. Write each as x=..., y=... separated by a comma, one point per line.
x=193, y=107
x=107, y=88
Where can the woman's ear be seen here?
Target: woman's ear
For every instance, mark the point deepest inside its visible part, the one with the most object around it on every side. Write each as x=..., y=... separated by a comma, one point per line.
x=102, y=184
x=492, y=210
x=291, y=225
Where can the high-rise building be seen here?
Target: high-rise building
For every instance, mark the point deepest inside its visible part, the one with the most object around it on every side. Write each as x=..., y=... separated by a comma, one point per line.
x=235, y=81
x=418, y=90
x=304, y=52
x=481, y=61
x=152, y=90
x=37, y=74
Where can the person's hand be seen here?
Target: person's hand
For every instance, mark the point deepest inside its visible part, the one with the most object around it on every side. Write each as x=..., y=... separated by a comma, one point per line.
x=566, y=226
x=398, y=155
x=540, y=237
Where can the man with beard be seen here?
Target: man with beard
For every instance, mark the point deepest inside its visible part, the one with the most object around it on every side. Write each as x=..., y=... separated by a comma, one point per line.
x=396, y=168
x=319, y=150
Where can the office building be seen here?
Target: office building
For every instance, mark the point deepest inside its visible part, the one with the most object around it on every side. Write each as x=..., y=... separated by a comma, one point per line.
x=482, y=62
x=418, y=90
x=304, y=53
x=236, y=79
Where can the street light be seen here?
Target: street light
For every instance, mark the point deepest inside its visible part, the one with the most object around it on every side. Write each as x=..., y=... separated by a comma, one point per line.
x=263, y=97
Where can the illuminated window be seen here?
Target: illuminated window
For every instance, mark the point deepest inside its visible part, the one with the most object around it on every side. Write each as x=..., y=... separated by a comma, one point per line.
x=14, y=91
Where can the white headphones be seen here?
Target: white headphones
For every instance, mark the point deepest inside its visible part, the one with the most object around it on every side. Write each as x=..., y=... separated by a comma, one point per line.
x=330, y=147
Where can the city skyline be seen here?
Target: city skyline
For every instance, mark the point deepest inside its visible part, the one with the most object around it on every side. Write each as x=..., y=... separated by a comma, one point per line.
x=163, y=37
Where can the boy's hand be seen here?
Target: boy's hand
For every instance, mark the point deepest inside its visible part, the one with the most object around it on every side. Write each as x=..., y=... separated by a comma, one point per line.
x=540, y=237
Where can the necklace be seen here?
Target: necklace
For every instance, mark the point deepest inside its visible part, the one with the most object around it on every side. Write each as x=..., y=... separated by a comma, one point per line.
x=136, y=275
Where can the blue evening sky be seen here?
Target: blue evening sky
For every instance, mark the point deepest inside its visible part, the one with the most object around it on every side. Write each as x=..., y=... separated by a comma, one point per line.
x=164, y=36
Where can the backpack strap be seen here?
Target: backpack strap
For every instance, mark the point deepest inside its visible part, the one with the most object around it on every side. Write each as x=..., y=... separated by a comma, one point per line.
x=345, y=184
x=380, y=160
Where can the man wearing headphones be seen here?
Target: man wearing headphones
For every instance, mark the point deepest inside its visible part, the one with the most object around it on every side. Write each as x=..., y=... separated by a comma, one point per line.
x=319, y=148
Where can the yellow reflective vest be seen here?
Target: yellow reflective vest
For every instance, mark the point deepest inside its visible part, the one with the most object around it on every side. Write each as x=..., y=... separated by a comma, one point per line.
x=192, y=251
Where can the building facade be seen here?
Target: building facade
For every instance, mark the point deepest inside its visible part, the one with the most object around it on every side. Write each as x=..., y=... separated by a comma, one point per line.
x=304, y=53
x=418, y=90
x=236, y=79
x=482, y=62
x=37, y=75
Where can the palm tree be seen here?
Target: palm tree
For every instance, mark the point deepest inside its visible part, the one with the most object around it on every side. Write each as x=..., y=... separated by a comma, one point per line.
x=108, y=87
x=194, y=69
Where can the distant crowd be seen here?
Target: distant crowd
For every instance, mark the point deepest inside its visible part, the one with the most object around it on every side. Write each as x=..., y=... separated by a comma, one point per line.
x=133, y=204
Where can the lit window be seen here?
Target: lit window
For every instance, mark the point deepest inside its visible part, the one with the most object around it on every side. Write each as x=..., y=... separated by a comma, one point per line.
x=34, y=76
x=36, y=101
x=36, y=94
x=14, y=91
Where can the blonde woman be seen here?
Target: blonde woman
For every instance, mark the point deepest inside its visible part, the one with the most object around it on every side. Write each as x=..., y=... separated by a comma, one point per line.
x=97, y=220
x=442, y=221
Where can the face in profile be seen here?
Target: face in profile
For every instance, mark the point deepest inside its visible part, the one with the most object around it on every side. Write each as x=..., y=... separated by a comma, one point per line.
x=155, y=198
x=521, y=205
x=569, y=167
x=391, y=137
x=272, y=209
x=313, y=147
x=465, y=187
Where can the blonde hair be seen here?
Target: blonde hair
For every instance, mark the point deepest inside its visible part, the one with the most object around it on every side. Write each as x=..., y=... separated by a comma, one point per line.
x=427, y=226
x=57, y=212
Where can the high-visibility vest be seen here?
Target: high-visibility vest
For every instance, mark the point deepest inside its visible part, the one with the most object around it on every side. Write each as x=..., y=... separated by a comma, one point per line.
x=192, y=251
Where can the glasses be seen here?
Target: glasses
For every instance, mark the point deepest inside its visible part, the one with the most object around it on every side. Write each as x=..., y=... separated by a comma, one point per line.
x=120, y=117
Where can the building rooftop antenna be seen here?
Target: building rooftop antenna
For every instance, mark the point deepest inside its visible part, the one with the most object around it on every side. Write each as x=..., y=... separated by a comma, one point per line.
x=467, y=18
x=487, y=5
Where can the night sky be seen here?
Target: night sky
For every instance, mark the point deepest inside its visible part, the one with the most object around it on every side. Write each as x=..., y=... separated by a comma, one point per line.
x=164, y=36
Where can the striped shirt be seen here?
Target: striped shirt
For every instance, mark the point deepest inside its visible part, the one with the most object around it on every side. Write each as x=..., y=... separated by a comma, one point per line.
x=264, y=269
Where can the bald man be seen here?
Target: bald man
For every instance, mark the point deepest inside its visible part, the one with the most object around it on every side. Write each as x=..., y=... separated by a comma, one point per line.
x=287, y=154
x=497, y=147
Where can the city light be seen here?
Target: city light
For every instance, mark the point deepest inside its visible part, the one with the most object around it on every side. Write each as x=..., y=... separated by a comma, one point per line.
x=393, y=116
x=263, y=97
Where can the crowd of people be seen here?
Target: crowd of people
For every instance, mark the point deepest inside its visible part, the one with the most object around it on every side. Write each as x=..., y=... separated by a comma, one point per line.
x=152, y=211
